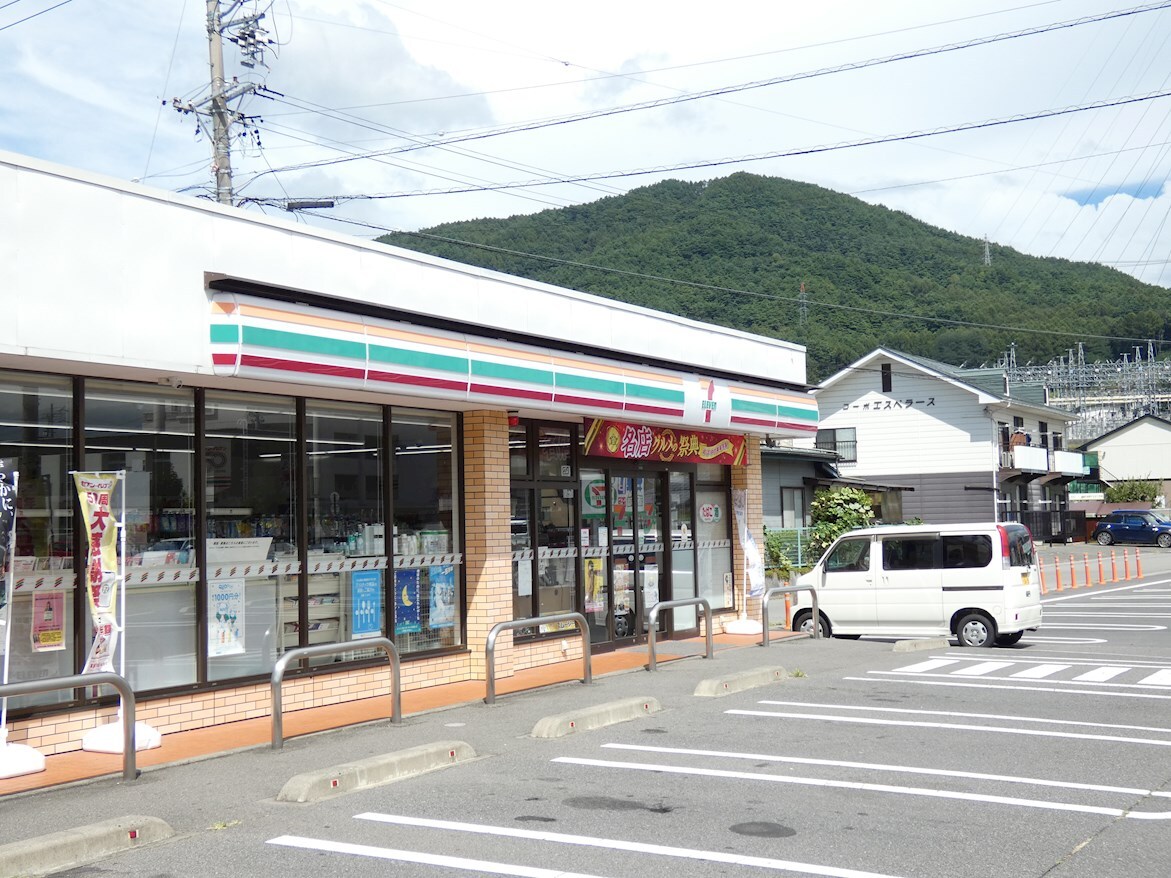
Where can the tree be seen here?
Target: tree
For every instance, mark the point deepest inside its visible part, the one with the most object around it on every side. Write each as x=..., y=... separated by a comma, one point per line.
x=1133, y=491
x=835, y=511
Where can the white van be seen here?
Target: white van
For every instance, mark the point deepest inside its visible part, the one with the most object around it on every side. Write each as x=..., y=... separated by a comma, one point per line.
x=978, y=583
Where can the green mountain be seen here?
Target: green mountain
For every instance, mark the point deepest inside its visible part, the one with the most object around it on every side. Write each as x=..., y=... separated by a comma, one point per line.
x=735, y=251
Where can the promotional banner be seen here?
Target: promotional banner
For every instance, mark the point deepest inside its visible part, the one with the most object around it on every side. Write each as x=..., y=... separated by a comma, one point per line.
x=406, y=602
x=605, y=438
x=225, y=618
x=95, y=492
x=48, y=622
x=752, y=557
x=8, y=483
x=366, y=603
x=442, y=596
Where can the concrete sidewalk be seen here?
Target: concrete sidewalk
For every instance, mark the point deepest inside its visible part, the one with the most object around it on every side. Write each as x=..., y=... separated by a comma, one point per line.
x=181, y=747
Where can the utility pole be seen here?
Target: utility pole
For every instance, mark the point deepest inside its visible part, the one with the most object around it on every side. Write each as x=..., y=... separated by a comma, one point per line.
x=987, y=252
x=246, y=32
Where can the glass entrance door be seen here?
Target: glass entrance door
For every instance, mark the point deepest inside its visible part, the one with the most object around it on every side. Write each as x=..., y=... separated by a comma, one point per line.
x=637, y=544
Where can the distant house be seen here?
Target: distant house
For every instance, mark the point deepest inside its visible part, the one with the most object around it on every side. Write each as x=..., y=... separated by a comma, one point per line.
x=1139, y=450
x=968, y=449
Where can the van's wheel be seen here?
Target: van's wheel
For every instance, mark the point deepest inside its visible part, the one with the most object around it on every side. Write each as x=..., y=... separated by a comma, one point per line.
x=976, y=629
x=1164, y=541
x=1105, y=538
x=1009, y=639
x=803, y=622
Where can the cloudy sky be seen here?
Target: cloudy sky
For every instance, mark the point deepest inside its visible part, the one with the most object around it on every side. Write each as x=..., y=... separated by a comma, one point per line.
x=459, y=109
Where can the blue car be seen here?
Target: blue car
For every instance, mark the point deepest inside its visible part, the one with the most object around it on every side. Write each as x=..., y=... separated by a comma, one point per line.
x=1133, y=526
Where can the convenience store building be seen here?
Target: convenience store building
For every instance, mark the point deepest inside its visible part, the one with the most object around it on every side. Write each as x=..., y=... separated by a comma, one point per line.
x=321, y=439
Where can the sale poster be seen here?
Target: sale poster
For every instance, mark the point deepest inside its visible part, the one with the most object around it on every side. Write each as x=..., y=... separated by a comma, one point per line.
x=442, y=596
x=48, y=621
x=366, y=603
x=406, y=602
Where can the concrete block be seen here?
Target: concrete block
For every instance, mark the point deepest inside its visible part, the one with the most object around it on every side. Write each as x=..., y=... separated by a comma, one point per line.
x=594, y=717
x=313, y=786
x=714, y=687
x=79, y=846
x=925, y=643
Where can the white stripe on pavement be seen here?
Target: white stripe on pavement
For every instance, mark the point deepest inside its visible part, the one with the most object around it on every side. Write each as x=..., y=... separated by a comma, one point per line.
x=902, y=769
x=1101, y=675
x=365, y=850
x=1104, y=693
x=1038, y=671
x=621, y=845
x=1041, y=720
x=962, y=727
x=857, y=785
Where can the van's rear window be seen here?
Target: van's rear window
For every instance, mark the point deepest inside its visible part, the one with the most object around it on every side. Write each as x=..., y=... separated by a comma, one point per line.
x=1020, y=546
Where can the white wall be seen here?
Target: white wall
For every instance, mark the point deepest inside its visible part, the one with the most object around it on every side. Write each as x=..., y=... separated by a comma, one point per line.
x=943, y=429
x=1141, y=451
x=96, y=270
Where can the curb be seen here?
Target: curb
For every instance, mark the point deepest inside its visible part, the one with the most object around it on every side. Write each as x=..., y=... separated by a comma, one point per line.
x=562, y=724
x=714, y=687
x=916, y=645
x=313, y=786
x=81, y=845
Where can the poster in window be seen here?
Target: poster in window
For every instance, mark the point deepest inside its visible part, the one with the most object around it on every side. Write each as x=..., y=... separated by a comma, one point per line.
x=48, y=622
x=406, y=602
x=225, y=618
x=366, y=603
x=442, y=596
x=595, y=585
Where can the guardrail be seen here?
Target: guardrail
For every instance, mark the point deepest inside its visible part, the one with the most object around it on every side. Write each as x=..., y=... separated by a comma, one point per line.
x=76, y=681
x=788, y=589
x=490, y=646
x=278, y=675
x=653, y=622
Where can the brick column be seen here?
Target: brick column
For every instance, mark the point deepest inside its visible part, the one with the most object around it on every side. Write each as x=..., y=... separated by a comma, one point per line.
x=750, y=479
x=487, y=542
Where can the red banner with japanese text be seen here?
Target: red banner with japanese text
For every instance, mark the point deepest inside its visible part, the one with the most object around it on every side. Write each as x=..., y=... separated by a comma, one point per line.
x=605, y=438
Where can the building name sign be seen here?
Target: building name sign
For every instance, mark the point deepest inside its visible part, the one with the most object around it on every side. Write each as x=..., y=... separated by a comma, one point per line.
x=606, y=438
x=889, y=404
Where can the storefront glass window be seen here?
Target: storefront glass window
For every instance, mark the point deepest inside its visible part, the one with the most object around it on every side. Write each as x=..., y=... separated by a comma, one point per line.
x=149, y=433
x=554, y=452
x=518, y=450
x=712, y=531
x=250, y=467
x=36, y=441
x=682, y=550
x=346, y=575
x=426, y=537
x=522, y=556
x=557, y=552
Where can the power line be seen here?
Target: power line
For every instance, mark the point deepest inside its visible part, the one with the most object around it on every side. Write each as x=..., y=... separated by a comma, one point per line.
x=731, y=89
x=812, y=150
x=734, y=290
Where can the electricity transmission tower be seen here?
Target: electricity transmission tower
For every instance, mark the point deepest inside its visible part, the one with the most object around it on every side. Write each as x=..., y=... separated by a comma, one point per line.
x=252, y=40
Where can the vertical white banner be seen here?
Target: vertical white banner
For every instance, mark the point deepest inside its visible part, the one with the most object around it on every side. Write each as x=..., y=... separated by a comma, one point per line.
x=753, y=562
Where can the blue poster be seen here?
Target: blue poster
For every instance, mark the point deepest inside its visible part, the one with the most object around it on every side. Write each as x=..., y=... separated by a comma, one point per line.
x=442, y=596
x=366, y=603
x=406, y=602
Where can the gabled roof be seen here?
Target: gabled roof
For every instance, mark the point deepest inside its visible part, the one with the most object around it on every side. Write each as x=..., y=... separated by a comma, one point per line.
x=979, y=384
x=1155, y=418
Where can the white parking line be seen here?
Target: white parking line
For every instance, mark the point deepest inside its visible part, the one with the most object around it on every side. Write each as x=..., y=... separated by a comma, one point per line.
x=1101, y=675
x=620, y=845
x=1038, y=671
x=1159, y=678
x=963, y=727
x=900, y=769
x=868, y=787
x=982, y=668
x=932, y=665
x=1040, y=720
x=365, y=850
x=1104, y=693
